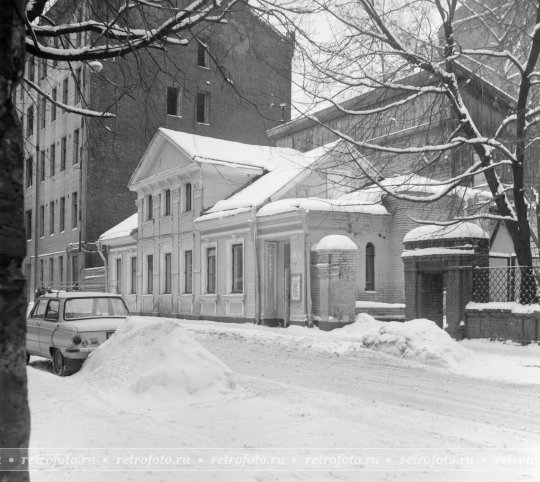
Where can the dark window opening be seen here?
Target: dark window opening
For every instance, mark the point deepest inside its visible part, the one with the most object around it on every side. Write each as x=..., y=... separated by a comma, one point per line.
x=202, y=108
x=370, y=267
x=211, y=270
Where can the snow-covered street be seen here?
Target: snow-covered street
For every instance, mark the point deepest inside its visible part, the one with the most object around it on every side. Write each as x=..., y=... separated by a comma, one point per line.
x=299, y=405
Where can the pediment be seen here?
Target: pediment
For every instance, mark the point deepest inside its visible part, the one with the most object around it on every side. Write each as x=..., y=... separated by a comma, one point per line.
x=161, y=156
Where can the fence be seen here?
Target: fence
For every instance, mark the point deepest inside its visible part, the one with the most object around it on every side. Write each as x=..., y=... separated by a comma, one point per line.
x=505, y=284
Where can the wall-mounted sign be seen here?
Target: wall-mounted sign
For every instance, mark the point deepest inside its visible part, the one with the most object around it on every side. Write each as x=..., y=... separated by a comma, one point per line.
x=296, y=287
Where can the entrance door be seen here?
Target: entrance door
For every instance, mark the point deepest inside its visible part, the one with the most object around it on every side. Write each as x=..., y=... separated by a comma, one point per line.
x=430, y=295
x=277, y=282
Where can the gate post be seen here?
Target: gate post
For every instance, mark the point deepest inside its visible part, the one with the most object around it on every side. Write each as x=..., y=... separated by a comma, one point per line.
x=459, y=292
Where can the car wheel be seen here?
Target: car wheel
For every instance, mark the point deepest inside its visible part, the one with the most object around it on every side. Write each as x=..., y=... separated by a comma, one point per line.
x=27, y=358
x=59, y=364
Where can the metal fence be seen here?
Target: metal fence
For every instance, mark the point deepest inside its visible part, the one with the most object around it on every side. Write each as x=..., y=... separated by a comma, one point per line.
x=503, y=284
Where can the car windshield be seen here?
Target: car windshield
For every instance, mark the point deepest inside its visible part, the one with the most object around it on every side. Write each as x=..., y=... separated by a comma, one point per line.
x=95, y=307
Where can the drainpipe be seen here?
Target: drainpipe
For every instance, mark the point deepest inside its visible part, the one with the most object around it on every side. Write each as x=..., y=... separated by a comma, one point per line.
x=105, y=264
x=307, y=270
x=253, y=221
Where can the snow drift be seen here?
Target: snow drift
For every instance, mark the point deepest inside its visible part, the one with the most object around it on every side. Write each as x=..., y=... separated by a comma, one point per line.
x=159, y=360
x=419, y=339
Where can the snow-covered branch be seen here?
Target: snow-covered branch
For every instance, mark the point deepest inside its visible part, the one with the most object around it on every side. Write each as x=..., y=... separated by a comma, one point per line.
x=66, y=107
x=460, y=219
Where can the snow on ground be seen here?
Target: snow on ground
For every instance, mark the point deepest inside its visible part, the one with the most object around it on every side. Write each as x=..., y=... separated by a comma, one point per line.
x=416, y=341
x=366, y=402
x=155, y=359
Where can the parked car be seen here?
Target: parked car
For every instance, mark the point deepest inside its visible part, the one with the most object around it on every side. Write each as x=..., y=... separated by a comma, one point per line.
x=67, y=326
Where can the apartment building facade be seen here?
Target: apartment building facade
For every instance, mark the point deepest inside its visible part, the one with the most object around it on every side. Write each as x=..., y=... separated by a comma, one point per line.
x=230, y=82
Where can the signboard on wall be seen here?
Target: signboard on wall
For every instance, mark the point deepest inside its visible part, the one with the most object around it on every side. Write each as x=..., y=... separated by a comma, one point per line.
x=296, y=287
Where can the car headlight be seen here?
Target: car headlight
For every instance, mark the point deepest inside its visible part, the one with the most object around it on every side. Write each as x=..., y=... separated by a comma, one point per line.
x=76, y=339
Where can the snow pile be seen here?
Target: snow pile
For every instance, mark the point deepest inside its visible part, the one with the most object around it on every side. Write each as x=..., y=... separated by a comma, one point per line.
x=336, y=241
x=421, y=340
x=454, y=231
x=319, y=204
x=157, y=360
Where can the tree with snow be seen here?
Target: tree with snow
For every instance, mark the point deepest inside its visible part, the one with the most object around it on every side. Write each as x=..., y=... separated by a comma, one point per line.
x=454, y=88
x=112, y=29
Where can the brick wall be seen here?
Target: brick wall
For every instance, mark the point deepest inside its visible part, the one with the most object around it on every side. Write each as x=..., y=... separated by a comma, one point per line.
x=502, y=324
x=333, y=285
x=255, y=57
x=427, y=276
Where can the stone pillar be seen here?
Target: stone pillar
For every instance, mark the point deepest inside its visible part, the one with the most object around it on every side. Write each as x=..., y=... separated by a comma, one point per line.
x=411, y=288
x=334, y=267
x=458, y=294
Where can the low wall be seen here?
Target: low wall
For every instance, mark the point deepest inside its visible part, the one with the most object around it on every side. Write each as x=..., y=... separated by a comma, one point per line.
x=502, y=323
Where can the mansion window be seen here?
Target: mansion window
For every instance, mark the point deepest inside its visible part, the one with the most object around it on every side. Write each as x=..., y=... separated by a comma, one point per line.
x=119, y=275
x=188, y=272
x=167, y=202
x=149, y=207
x=168, y=274
x=133, y=275
x=370, y=267
x=211, y=270
x=237, y=268
x=187, y=194
x=150, y=273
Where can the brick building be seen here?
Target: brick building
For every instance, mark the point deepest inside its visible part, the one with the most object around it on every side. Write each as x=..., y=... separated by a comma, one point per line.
x=77, y=168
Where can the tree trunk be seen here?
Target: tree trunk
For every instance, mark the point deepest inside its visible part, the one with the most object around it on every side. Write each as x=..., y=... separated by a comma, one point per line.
x=14, y=414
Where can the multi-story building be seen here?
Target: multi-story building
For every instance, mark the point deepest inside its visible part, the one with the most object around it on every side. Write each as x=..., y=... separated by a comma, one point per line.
x=230, y=82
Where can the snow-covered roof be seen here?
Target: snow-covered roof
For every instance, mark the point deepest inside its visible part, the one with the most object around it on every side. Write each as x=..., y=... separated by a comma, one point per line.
x=412, y=253
x=317, y=204
x=453, y=231
x=124, y=228
x=413, y=183
x=280, y=175
x=222, y=214
x=208, y=149
x=336, y=241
